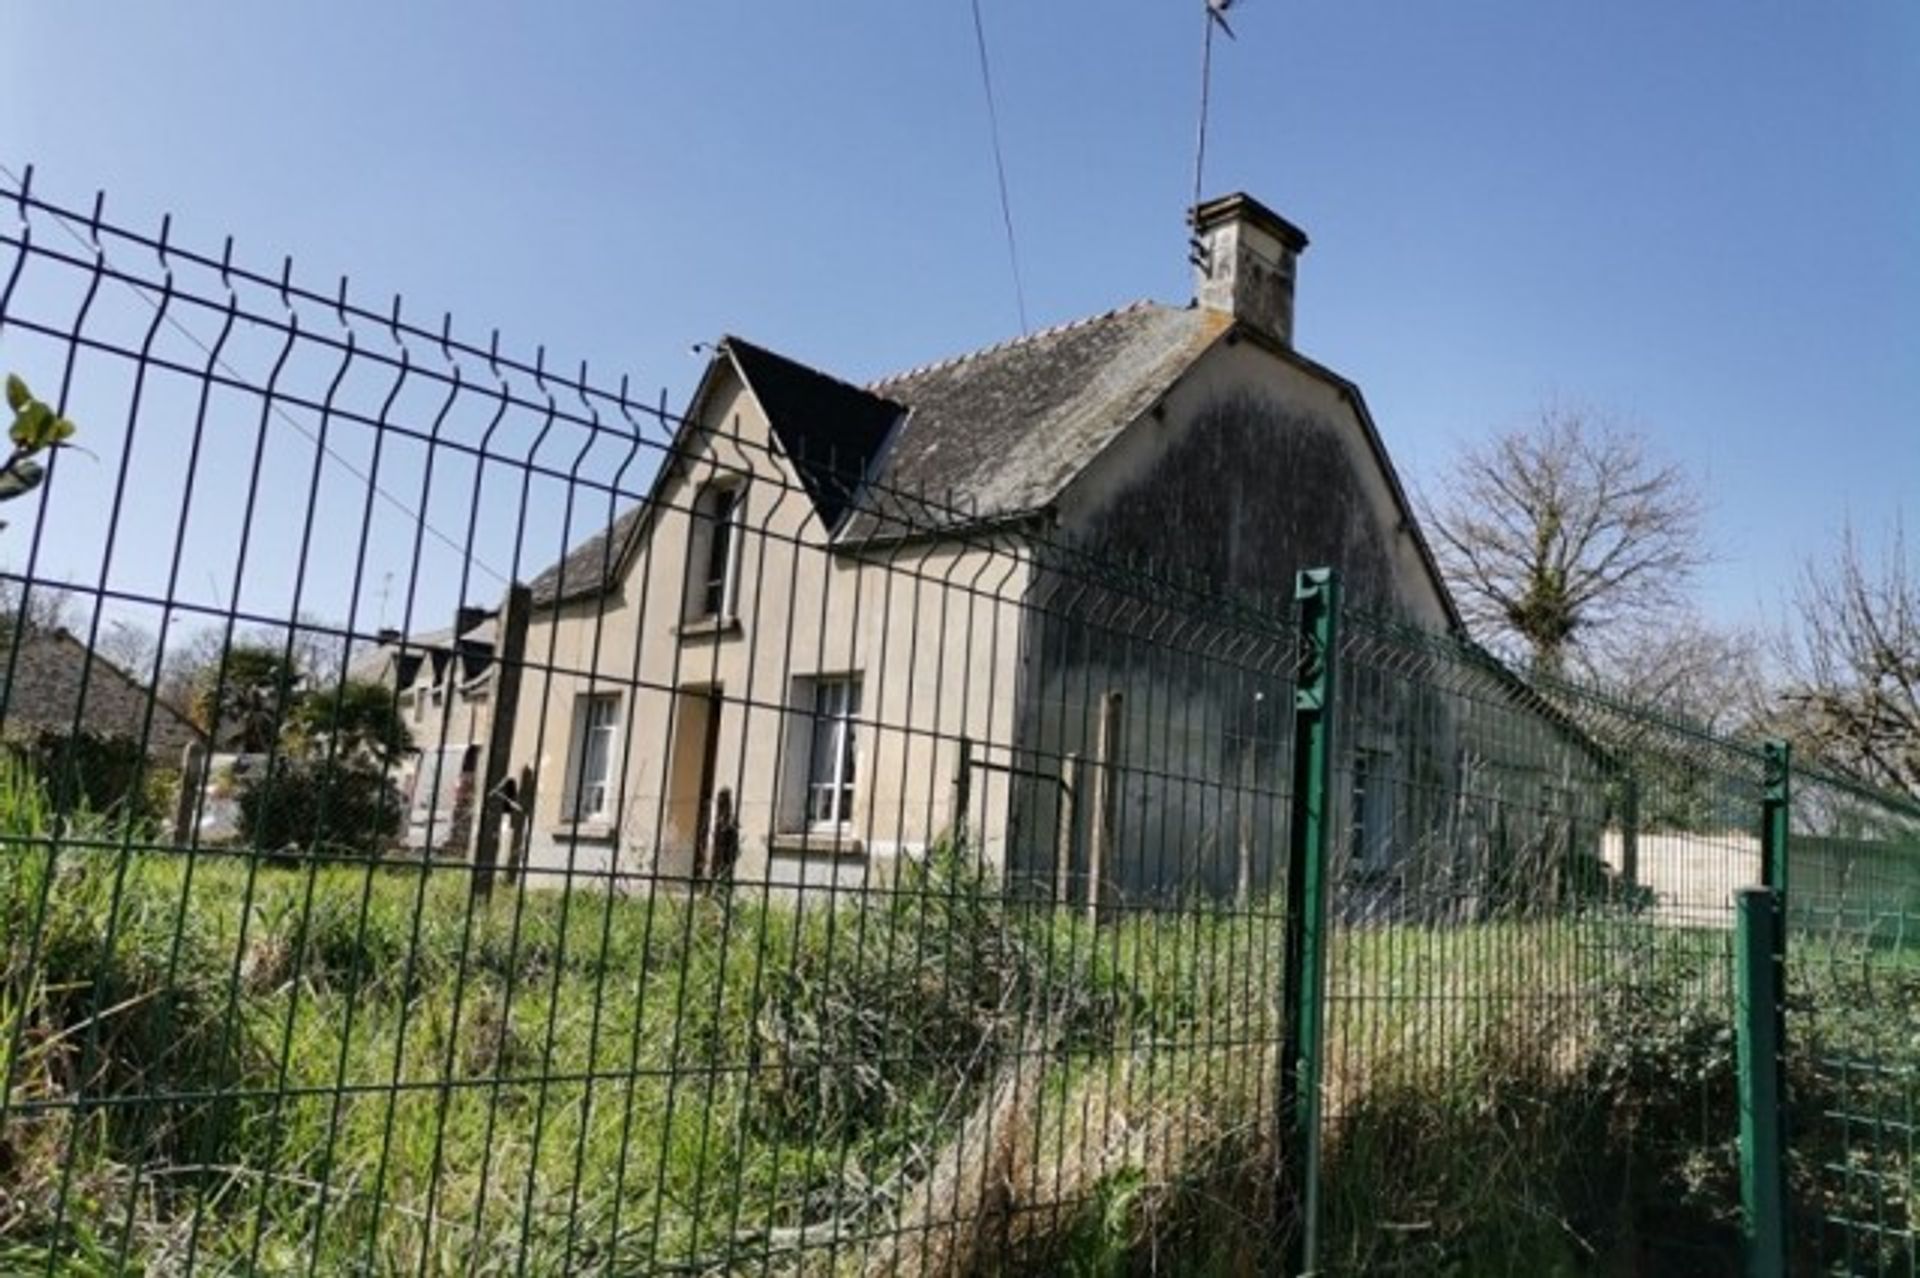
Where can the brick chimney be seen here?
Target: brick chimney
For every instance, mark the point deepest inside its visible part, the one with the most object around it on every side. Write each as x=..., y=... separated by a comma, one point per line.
x=1244, y=257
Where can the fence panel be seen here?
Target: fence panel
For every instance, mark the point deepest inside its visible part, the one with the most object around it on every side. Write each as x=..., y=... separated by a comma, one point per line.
x=1531, y=1060
x=1853, y=1027
x=849, y=885
x=458, y=817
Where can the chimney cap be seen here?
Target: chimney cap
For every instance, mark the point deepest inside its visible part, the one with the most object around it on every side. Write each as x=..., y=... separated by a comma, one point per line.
x=1241, y=207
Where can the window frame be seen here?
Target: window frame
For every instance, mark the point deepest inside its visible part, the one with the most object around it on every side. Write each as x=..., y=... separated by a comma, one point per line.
x=716, y=598
x=833, y=702
x=578, y=782
x=1370, y=794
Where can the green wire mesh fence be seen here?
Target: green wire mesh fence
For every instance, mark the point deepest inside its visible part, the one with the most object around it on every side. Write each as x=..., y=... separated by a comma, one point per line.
x=456, y=818
x=1853, y=1027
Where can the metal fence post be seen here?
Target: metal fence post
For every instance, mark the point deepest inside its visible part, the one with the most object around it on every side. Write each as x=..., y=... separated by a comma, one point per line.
x=1757, y=1025
x=1302, y=1050
x=1777, y=758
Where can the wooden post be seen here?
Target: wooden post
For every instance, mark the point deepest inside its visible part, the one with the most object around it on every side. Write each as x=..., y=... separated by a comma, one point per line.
x=1106, y=750
x=520, y=822
x=193, y=780
x=962, y=800
x=1063, y=833
x=1243, y=882
x=1630, y=831
x=509, y=660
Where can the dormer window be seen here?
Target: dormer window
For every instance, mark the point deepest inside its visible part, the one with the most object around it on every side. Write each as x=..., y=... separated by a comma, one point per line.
x=714, y=563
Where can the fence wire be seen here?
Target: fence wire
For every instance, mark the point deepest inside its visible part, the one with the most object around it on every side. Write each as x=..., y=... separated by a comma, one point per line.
x=732, y=896
x=1853, y=1027
x=459, y=816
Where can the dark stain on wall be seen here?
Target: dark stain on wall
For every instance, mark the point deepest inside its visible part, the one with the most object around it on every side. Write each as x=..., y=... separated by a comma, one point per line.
x=1248, y=494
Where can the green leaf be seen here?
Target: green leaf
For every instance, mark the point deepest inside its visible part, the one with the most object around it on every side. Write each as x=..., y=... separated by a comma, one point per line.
x=18, y=396
x=20, y=478
x=31, y=426
x=62, y=431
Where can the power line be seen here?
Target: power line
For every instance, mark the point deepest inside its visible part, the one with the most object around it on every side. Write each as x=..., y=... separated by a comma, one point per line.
x=413, y=516
x=999, y=166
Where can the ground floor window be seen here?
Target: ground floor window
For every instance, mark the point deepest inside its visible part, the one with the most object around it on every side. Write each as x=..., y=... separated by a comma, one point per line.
x=589, y=772
x=1372, y=812
x=824, y=745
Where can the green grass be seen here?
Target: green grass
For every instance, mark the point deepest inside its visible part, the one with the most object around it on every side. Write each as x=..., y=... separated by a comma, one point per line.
x=349, y=1068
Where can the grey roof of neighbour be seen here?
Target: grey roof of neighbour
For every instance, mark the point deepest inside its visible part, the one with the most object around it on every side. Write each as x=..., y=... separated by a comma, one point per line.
x=57, y=683
x=400, y=656
x=1002, y=431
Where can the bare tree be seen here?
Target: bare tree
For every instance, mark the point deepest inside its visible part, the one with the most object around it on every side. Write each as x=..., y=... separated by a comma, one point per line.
x=128, y=645
x=47, y=607
x=1715, y=677
x=1561, y=532
x=1852, y=663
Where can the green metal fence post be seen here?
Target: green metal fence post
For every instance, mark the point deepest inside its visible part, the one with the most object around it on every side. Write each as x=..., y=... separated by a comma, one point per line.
x=1762, y=1141
x=1303, y=1047
x=1777, y=759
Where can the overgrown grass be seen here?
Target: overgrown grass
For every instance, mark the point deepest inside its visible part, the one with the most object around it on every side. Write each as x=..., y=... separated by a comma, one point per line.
x=338, y=1068
x=334, y=1068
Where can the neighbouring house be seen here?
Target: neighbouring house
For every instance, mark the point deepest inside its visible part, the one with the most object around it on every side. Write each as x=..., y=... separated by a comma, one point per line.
x=443, y=688
x=847, y=622
x=55, y=689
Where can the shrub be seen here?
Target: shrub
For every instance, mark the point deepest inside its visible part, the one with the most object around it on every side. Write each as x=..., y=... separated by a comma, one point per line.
x=86, y=771
x=299, y=804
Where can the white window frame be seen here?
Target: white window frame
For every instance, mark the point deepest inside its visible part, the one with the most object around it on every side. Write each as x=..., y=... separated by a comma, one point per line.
x=824, y=777
x=596, y=721
x=707, y=525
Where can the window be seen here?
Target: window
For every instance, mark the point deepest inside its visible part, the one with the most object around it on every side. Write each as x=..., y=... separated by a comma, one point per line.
x=595, y=720
x=1372, y=811
x=713, y=590
x=827, y=749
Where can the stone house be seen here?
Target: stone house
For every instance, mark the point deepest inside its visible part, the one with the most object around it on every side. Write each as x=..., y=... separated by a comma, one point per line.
x=51, y=683
x=846, y=622
x=443, y=688
x=81, y=721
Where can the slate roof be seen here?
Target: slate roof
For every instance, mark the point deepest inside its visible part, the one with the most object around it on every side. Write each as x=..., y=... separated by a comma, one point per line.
x=52, y=671
x=991, y=435
x=395, y=660
x=831, y=430
x=1002, y=431
x=591, y=567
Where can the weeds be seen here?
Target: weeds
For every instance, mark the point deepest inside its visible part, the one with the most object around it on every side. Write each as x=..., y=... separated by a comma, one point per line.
x=352, y=1068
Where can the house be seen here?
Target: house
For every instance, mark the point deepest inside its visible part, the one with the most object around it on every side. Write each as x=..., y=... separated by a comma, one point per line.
x=51, y=682
x=848, y=622
x=443, y=688
x=53, y=687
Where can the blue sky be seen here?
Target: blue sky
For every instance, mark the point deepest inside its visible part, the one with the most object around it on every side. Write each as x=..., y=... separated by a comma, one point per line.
x=1703, y=217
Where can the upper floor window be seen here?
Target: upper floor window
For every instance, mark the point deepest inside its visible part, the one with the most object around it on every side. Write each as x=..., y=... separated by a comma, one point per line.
x=714, y=566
